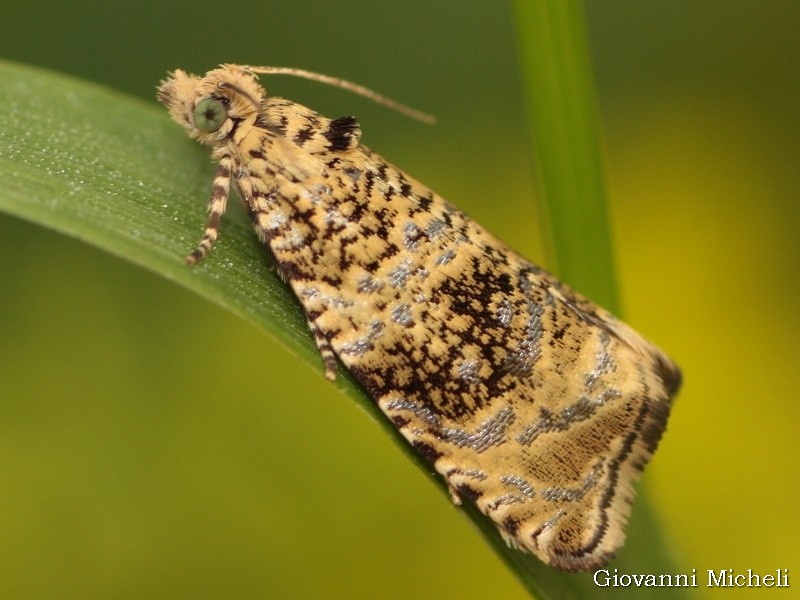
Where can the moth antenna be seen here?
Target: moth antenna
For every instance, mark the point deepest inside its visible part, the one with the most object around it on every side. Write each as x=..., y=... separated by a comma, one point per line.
x=346, y=85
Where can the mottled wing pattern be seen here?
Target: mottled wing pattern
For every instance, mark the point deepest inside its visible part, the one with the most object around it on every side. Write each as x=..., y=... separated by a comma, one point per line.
x=533, y=403
x=530, y=400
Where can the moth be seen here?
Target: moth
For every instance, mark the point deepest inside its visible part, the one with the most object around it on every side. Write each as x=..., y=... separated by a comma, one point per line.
x=531, y=401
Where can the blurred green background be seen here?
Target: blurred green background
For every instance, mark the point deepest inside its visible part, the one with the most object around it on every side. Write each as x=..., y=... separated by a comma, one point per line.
x=154, y=446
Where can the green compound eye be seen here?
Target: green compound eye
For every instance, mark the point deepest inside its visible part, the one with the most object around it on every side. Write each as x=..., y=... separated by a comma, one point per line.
x=209, y=114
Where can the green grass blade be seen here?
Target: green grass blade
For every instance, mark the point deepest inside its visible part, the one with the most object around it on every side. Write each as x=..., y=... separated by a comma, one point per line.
x=562, y=110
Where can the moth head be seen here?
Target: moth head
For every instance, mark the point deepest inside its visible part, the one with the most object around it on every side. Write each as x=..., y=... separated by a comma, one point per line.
x=212, y=107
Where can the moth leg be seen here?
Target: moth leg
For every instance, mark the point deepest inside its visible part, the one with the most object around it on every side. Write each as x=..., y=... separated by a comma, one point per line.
x=454, y=495
x=216, y=208
x=326, y=350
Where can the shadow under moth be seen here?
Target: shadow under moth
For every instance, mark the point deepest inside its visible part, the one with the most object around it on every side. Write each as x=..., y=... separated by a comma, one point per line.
x=531, y=401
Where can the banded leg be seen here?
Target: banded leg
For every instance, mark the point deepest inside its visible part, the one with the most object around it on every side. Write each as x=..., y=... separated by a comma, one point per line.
x=216, y=208
x=325, y=349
